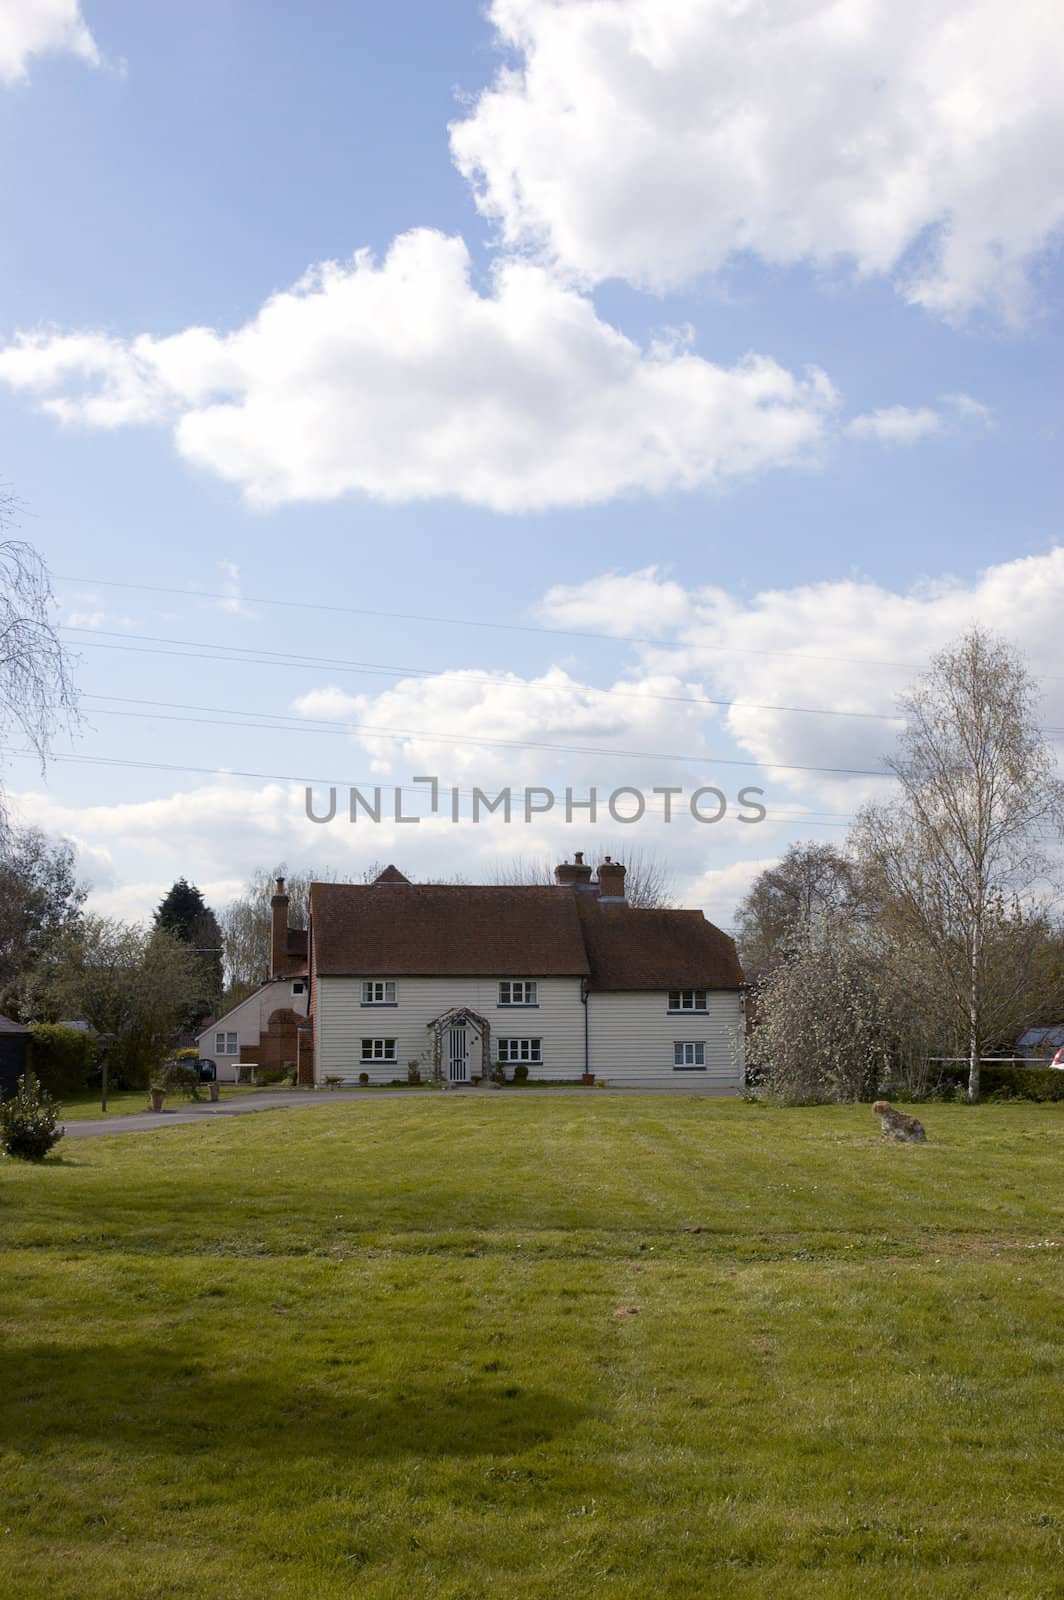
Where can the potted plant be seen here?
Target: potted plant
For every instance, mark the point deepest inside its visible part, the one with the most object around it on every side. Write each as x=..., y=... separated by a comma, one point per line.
x=363, y=1079
x=413, y=1071
x=212, y=1091
x=498, y=1075
x=156, y=1096
x=588, y=1078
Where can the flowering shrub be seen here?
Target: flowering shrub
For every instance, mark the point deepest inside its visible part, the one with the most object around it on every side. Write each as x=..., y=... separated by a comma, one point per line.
x=29, y=1122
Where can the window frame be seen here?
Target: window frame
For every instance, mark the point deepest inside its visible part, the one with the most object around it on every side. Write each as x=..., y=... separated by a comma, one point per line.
x=680, y=1048
x=389, y=992
x=530, y=1057
x=225, y=1036
x=386, y=1055
x=694, y=1009
x=526, y=985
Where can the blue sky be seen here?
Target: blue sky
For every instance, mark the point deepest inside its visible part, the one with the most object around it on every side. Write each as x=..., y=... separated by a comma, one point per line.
x=549, y=388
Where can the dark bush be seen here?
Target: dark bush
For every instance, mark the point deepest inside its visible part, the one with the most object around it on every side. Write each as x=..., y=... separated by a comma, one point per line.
x=63, y=1059
x=521, y=1074
x=1004, y=1082
x=363, y=1078
x=178, y=1077
x=29, y=1122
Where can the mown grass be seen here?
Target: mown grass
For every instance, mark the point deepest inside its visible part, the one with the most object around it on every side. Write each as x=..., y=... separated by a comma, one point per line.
x=454, y=1348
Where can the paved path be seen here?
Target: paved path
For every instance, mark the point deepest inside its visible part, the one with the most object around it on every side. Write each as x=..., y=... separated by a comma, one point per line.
x=296, y=1100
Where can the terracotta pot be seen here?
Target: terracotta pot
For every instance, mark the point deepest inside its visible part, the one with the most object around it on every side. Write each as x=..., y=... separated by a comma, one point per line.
x=212, y=1091
x=588, y=1078
x=156, y=1097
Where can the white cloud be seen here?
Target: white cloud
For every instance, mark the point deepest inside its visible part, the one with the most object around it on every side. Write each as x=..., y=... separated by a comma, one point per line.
x=400, y=380
x=657, y=139
x=469, y=730
x=897, y=424
x=34, y=27
x=618, y=603
x=909, y=424
x=845, y=646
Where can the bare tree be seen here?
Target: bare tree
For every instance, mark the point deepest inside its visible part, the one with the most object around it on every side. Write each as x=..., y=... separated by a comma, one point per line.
x=958, y=860
x=648, y=882
x=37, y=694
x=790, y=905
x=245, y=922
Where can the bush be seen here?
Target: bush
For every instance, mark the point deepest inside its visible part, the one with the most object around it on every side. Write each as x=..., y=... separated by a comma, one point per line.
x=29, y=1123
x=274, y=1075
x=521, y=1074
x=1002, y=1082
x=363, y=1078
x=63, y=1059
x=177, y=1077
x=413, y=1072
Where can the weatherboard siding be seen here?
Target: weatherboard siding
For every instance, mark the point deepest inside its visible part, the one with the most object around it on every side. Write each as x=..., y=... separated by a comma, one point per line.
x=632, y=1036
x=341, y=1022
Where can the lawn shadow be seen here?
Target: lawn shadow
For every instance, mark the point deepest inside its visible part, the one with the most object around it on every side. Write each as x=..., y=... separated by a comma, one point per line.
x=145, y=1397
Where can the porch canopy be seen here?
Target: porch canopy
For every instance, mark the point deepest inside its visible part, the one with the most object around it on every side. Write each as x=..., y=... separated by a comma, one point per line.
x=459, y=1017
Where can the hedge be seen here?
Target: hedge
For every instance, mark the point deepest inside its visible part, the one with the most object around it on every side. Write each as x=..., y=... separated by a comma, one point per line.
x=1007, y=1083
x=62, y=1058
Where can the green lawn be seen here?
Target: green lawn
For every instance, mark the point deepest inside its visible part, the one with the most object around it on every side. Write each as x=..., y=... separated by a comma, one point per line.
x=452, y=1348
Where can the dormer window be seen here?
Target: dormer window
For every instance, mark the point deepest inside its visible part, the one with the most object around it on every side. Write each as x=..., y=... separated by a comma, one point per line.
x=378, y=992
x=518, y=992
x=687, y=1000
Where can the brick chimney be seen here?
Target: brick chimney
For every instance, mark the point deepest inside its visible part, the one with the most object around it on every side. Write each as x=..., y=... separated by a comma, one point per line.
x=278, y=930
x=575, y=873
x=611, y=880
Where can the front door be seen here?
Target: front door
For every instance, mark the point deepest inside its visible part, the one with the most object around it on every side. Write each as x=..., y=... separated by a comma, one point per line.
x=459, y=1055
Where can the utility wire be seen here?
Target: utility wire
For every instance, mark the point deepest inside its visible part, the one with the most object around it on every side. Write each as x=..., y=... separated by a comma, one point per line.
x=506, y=744
x=251, y=656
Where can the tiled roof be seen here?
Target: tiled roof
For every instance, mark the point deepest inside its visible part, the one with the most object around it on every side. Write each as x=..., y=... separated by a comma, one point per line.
x=393, y=929
x=630, y=947
x=446, y=930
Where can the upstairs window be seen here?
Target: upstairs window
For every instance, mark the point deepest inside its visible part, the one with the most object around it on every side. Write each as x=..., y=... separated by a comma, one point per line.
x=689, y=1055
x=518, y=992
x=378, y=992
x=378, y=1049
x=520, y=1049
x=687, y=1000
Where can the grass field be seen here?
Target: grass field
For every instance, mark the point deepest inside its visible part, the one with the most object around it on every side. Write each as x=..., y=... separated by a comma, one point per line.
x=431, y=1346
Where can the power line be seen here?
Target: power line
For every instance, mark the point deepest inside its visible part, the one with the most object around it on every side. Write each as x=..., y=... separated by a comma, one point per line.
x=476, y=622
x=816, y=819
x=251, y=656
x=469, y=739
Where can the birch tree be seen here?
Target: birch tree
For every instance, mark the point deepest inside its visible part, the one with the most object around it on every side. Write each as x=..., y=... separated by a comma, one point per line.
x=963, y=855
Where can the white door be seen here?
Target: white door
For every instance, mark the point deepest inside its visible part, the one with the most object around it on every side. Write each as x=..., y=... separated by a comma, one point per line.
x=459, y=1055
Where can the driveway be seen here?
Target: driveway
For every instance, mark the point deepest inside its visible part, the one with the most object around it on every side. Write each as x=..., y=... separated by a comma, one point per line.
x=298, y=1100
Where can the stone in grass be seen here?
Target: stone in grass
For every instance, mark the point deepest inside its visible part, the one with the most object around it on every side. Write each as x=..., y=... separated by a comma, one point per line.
x=897, y=1126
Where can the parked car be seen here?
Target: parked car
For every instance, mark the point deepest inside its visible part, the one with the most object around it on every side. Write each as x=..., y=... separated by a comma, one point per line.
x=207, y=1070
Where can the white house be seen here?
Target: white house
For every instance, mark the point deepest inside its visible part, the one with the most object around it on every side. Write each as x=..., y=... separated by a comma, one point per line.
x=566, y=980
x=264, y=1029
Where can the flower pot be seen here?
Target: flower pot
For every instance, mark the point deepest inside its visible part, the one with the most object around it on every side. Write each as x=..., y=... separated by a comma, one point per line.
x=588, y=1078
x=156, y=1098
x=212, y=1092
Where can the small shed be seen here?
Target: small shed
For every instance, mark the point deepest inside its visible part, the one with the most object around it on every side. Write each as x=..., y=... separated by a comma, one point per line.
x=14, y=1055
x=1041, y=1042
